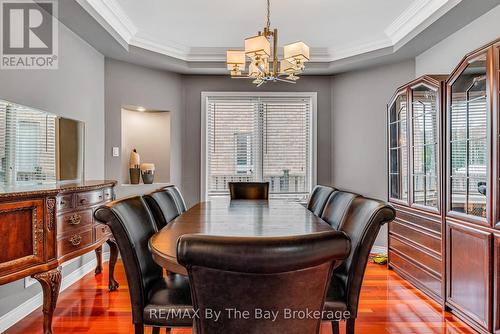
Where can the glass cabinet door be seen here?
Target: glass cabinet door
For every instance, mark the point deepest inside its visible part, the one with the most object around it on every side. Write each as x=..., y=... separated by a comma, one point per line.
x=425, y=137
x=468, y=140
x=398, y=149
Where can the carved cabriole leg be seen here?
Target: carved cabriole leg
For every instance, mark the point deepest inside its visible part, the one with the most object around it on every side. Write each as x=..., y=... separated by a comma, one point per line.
x=98, y=254
x=50, y=282
x=113, y=257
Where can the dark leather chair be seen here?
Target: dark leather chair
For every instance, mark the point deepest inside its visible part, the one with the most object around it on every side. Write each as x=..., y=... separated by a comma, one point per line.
x=150, y=293
x=163, y=207
x=254, y=273
x=179, y=200
x=318, y=199
x=361, y=223
x=336, y=207
x=249, y=190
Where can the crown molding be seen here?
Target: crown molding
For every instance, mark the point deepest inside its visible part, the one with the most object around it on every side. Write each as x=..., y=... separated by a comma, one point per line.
x=172, y=49
x=111, y=16
x=418, y=16
x=346, y=52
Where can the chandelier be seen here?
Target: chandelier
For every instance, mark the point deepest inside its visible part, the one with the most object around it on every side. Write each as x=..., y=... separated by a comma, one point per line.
x=264, y=65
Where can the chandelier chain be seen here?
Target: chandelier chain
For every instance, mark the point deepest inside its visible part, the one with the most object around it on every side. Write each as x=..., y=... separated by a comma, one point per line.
x=268, y=24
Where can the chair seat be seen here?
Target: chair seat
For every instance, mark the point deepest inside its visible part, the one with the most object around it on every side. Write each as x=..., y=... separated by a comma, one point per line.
x=170, y=303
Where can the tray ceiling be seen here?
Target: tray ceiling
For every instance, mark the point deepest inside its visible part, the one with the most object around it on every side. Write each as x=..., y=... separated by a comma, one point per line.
x=201, y=30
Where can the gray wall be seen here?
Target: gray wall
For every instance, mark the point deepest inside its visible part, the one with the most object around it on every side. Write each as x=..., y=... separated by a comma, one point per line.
x=75, y=90
x=127, y=84
x=191, y=127
x=359, y=152
x=444, y=56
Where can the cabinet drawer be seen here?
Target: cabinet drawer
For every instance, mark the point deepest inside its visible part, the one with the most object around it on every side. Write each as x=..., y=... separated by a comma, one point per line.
x=421, y=258
x=89, y=198
x=74, y=242
x=108, y=194
x=73, y=221
x=423, y=221
x=425, y=239
x=416, y=275
x=64, y=202
x=101, y=232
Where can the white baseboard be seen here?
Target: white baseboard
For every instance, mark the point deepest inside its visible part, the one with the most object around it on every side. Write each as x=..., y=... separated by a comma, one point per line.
x=20, y=312
x=379, y=250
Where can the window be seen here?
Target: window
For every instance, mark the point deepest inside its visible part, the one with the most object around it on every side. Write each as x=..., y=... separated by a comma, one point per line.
x=244, y=156
x=267, y=137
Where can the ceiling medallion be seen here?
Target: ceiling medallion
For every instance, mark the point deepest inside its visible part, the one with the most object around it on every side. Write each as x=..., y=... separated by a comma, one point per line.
x=264, y=64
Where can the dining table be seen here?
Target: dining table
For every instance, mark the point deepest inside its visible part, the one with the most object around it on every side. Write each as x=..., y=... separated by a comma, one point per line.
x=238, y=218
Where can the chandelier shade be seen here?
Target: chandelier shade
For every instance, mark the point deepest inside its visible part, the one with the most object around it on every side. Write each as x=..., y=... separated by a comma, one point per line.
x=262, y=52
x=236, y=60
x=258, y=47
x=298, y=51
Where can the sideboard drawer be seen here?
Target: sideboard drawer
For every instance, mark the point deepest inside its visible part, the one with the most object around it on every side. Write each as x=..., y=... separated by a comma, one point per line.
x=108, y=194
x=64, y=202
x=73, y=221
x=89, y=198
x=74, y=242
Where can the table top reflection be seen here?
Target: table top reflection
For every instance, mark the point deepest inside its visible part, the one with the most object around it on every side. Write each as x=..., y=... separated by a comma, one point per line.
x=238, y=218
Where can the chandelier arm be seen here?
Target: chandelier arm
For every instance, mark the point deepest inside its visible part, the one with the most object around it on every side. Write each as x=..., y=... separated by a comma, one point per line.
x=287, y=81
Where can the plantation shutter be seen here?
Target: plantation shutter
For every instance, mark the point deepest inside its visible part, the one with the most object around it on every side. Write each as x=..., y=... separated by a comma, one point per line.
x=232, y=133
x=259, y=139
x=286, y=148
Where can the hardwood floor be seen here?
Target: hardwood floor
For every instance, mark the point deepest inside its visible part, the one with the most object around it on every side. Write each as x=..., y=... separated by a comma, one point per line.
x=388, y=305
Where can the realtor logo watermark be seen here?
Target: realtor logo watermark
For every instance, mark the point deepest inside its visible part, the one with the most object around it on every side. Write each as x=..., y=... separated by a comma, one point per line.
x=29, y=36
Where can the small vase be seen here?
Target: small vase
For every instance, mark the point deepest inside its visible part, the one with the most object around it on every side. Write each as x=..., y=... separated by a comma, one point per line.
x=135, y=175
x=148, y=176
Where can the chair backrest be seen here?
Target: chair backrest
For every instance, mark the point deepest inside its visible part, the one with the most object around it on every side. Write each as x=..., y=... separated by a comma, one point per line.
x=132, y=225
x=318, y=199
x=179, y=200
x=163, y=207
x=362, y=224
x=260, y=273
x=336, y=207
x=249, y=190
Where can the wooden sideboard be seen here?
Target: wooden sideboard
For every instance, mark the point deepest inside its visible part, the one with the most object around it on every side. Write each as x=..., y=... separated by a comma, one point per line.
x=44, y=226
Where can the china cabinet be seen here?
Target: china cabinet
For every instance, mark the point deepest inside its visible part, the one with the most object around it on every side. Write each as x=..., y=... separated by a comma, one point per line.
x=472, y=183
x=444, y=181
x=415, y=187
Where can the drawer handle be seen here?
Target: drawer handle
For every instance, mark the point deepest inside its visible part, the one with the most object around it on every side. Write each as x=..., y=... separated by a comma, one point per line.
x=75, y=219
x=83, y=201
x=76, y=240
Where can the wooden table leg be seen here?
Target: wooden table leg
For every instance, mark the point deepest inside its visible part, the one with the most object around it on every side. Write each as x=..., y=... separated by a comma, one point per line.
x=51, y=283
x=98, y=254
x=113, y=257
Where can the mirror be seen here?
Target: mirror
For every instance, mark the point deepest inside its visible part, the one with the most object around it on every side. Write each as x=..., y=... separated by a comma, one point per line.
x=38, y=147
